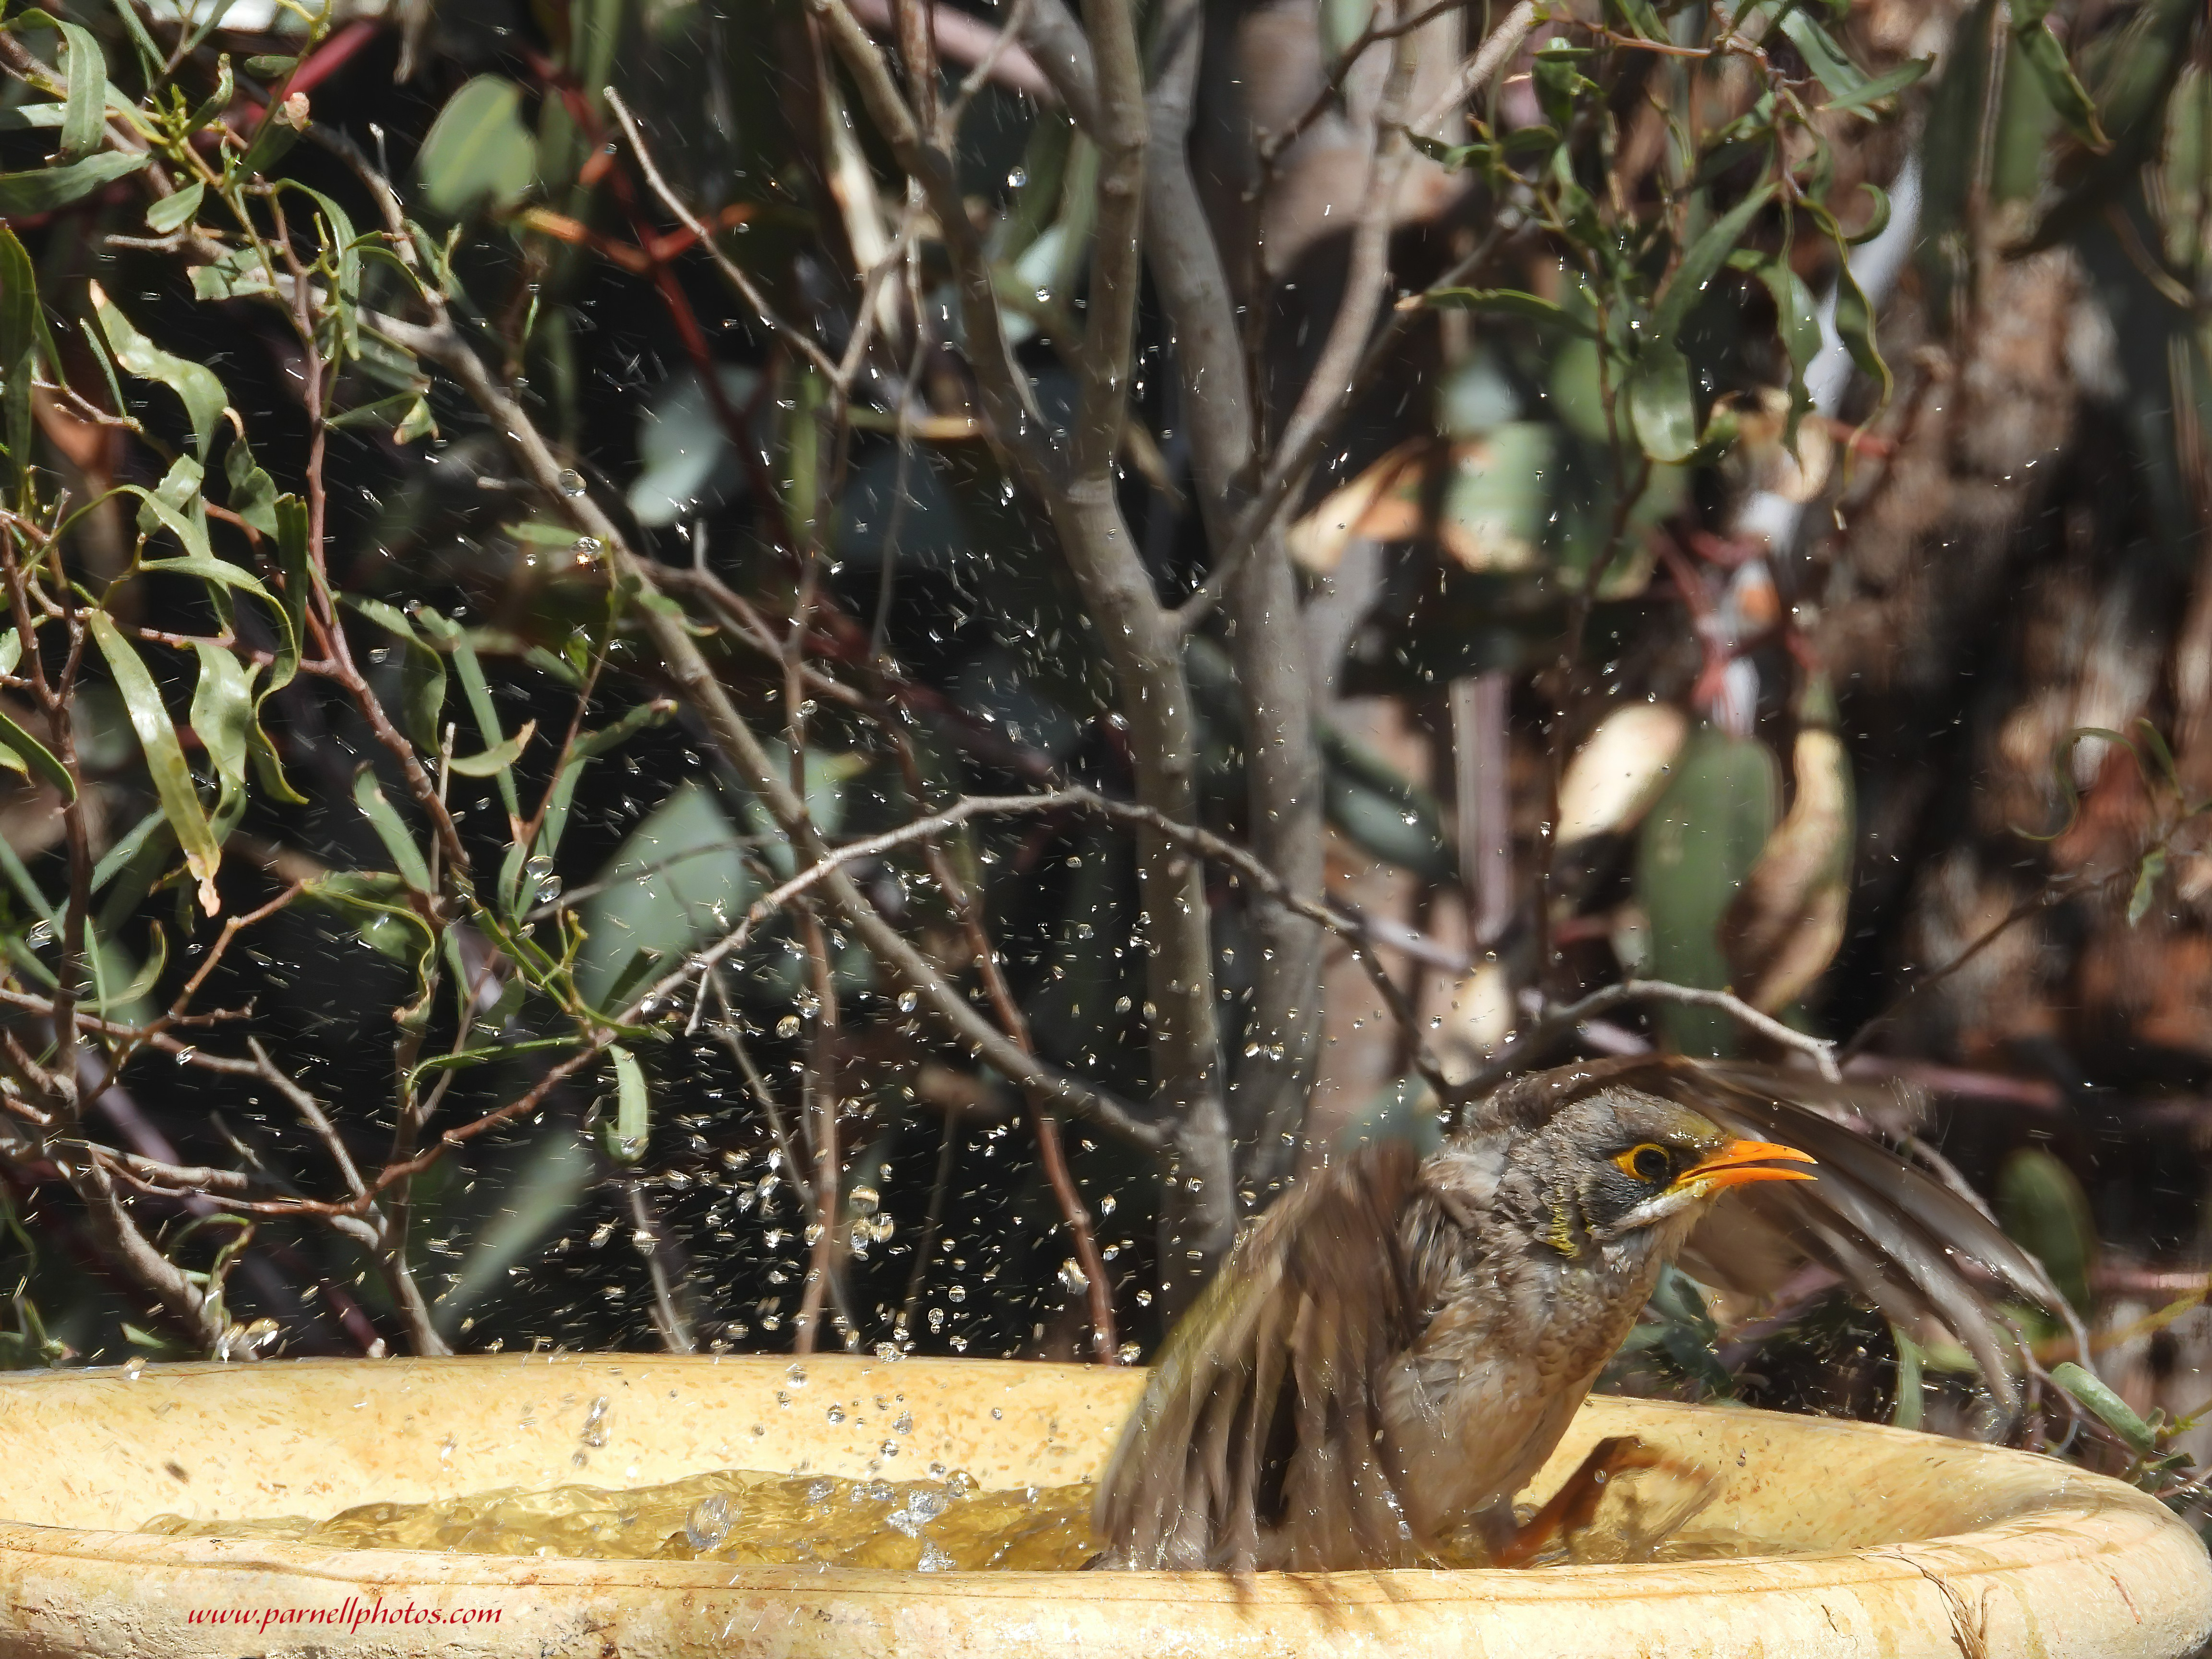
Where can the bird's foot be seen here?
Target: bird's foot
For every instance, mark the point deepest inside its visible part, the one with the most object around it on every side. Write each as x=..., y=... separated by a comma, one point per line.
x=1574, y=1506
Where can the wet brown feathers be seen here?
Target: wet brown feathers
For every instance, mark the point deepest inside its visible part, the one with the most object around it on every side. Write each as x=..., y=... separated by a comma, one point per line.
x=1394, y=1348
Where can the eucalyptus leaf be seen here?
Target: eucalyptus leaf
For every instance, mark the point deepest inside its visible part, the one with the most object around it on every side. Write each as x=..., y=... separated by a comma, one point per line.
x=165, y=757
x=391, y=829
x=173, y=211
x=86, y=116
x=1693, y=851
x=2112, y=1411
x=478, y=151
x=495, y=761
x=1662, y=403
x=195, y=384
x=626, y=1136
x=1702, y=262
x=49, y=189
x=677, y=879
x=19, y=347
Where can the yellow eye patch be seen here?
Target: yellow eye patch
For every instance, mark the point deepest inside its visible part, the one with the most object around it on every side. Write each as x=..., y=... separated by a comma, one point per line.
x=1648, y=1162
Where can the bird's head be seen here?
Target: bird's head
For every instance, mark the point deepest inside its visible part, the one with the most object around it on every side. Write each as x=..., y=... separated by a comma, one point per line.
x=1620, y=1165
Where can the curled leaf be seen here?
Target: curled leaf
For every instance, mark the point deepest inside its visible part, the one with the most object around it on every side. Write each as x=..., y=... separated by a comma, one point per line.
x=626, y=1135
x=165, y=757
x=2113, y=1412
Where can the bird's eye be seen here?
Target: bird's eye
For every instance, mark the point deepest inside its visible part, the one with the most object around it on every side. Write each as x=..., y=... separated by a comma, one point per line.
x=1648, y=1163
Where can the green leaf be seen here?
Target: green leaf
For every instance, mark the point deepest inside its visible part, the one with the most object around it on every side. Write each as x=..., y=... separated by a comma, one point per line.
x=1877, y=223
x=120, y=856
x=148, y=976
x=677, y=878
x=222, y=715
x=22, y=194
x=478, y=150
x=1662, y=403
x=391, y=829
x=538, y=1197
x=173, y=211
x=292, y=528
x=1702, y=262
x=1797, y=321
x=87, y=109
x=1382, y=811
x=1512, y=302
x=165, y=757
x=269, y=66
x=194, y=383
x=216, y=103
x=1697, y=845
x=2115, y=1413
x=1841, y=77
x=633, y=1123
x=496, y=761
x=1882, y=87
x=1855, y=327
x=2045, y=57
x=19, y=347
x=252, y=491
x=422, y=694
x=37, y=758
x=2145, y=893
x=422, y=671
x=2042, y=1208
x=344, y=244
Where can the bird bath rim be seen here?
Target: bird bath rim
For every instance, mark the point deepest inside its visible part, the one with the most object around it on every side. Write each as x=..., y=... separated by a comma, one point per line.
x=2076, y=1564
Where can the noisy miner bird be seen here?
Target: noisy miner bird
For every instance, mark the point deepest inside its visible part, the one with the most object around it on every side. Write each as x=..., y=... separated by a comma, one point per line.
x=1395, y=1348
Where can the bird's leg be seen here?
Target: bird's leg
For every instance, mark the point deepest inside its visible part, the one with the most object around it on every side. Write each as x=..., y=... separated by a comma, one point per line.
x=1574, y=1505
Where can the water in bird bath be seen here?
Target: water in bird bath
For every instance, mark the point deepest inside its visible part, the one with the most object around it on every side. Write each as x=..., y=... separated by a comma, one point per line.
x=749, y=1518
x=746, y=1517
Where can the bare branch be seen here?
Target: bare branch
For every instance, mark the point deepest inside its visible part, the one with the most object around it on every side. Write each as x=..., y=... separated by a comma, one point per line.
x=1523, y=1051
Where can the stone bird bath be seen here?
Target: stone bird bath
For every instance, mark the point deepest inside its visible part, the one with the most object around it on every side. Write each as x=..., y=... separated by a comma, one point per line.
x=1853, y=1540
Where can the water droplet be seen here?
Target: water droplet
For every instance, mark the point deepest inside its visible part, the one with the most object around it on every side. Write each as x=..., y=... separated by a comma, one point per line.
x=836, y=1413
x=907, y=999
x=787, y=1026
x=957, y=1293
x=41, y=934
x=594, y=1432
x=538, y=867
x=571, y=483
x=549, y=890
x=796, y=1377
x=134, y=1368
x=708, y=1524
x=1072, y=1279
x=1127, y=1353
x=1016, y=177
x=865, y=1200
x=586, y=549
x=1107, y=1205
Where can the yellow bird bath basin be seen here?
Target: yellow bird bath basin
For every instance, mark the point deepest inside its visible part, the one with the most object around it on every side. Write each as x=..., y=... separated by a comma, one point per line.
x=1843, y=1539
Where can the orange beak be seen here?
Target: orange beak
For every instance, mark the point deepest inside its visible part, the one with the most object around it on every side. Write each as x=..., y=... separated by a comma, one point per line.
x=1741, y=1163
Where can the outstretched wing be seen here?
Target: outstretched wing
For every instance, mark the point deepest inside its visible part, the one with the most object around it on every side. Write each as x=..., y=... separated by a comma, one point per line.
x=1897, y=1223
x=1258, y=1429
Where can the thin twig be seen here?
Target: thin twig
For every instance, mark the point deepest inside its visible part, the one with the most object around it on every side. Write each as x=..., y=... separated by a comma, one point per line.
x=1561, y=1022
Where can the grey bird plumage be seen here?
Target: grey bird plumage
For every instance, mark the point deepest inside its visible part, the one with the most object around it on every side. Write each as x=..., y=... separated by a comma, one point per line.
x=1396, y=1347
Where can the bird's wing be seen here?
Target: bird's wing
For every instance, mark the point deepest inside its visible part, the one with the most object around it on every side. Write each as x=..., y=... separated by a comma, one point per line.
x=1283, y=1355
x=1897, y=1223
